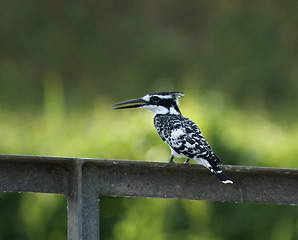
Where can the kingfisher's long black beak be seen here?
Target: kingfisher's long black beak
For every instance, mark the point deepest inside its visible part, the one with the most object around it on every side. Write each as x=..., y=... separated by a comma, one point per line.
x=134, y=103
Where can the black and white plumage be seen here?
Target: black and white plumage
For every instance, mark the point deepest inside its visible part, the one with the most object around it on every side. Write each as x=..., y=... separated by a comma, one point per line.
x=181, y=134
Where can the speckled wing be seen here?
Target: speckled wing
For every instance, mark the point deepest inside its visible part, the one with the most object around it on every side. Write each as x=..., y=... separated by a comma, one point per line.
x=184, y=136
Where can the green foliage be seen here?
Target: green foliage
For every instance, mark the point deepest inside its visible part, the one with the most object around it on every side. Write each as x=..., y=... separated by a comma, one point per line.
x=246, y=50
x=62, y=65
x=32, y=216
x=238, y=138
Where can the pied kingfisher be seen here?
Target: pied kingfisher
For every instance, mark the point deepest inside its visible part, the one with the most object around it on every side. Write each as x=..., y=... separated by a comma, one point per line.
x=181, y=134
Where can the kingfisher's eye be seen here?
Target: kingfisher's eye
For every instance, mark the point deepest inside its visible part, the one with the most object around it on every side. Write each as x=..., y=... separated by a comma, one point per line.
x=154, y=99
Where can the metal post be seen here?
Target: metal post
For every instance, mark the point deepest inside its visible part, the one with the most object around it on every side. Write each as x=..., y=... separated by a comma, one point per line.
x=83, y=207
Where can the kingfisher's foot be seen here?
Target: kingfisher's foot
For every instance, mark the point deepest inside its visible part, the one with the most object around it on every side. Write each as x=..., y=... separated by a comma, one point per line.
x=171, y=159
x=187, y=160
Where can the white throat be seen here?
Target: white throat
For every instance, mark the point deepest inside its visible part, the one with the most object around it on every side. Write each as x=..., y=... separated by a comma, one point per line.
x=161, y=109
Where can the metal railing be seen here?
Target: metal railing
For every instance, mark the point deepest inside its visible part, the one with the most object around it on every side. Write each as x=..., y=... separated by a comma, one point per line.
x=83, y=181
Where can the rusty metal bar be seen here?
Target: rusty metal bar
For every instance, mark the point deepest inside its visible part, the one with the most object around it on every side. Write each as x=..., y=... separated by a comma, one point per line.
x=82, y=181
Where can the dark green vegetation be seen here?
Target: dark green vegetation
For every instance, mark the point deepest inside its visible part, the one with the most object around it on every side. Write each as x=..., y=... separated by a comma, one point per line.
x=63, y=64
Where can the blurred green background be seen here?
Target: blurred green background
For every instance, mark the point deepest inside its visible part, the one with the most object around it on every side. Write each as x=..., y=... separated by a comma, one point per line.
x=63, y=64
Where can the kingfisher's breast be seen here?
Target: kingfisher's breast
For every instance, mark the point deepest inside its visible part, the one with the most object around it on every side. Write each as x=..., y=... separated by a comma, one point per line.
x=161, y=124
x=169, y=128
x=167, y=122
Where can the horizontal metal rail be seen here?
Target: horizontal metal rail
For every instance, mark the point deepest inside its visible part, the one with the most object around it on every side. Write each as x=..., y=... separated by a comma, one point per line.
x=83, y=180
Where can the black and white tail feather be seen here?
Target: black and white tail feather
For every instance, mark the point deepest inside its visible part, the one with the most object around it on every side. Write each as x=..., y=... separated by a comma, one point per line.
x=181, y=134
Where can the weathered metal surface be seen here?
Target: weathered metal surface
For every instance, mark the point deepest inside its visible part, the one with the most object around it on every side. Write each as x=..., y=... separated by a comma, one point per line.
x=83, y=208
x=163, y=180
x=33, y=174
x=82, y=181
x=148, y=179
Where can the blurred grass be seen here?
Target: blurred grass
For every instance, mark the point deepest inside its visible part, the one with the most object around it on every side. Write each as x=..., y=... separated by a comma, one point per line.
x=245, y=138
x=62, y=65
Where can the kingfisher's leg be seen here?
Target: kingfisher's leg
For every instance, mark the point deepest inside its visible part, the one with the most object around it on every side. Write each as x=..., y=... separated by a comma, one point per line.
x=187, y=160
x=171, y=159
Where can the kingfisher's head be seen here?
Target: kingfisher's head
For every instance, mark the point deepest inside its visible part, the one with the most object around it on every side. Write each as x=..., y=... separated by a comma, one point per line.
x=159, y=103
